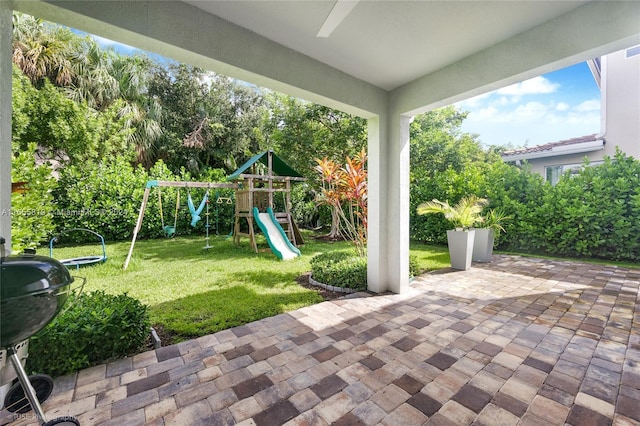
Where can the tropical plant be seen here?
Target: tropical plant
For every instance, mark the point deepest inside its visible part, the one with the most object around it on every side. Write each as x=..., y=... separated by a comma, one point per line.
x=345, y=190
x=43, y=51
x=494, y=219
x=464, y=214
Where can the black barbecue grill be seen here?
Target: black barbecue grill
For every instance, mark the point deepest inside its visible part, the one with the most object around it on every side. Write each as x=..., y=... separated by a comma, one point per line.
x=33, y=290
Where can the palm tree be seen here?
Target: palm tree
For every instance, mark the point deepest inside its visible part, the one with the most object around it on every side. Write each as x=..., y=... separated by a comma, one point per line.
x=143, y=112
x=94, y=81
x=465, y=214
x=43, y=51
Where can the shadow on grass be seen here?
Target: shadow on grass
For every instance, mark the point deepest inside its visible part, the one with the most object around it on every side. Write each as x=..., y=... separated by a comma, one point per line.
x=266, y=278
x=217, y=310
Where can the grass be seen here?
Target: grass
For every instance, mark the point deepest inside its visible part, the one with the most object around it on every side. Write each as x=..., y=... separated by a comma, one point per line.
x=193, y=292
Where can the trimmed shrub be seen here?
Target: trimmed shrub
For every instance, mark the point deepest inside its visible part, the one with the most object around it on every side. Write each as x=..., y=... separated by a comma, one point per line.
x=345, y=269
x=340, y=269
x=414, y=266
x=98, y=327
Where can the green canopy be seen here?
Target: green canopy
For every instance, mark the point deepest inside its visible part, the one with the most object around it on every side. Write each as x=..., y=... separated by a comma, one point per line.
x=280, y=168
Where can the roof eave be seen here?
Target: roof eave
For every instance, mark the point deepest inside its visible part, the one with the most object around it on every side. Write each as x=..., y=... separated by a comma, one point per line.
x=579, y=148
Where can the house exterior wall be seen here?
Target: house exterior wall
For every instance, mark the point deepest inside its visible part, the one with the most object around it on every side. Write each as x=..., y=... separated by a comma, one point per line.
x=538, y=164
x=621, y=102
x=620, y=113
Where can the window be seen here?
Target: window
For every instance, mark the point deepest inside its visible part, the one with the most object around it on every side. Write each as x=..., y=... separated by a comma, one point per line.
x=554, y=173
x=633, y=51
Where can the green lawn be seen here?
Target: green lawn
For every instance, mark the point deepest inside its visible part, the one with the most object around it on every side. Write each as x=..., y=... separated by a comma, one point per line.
x=193, y=292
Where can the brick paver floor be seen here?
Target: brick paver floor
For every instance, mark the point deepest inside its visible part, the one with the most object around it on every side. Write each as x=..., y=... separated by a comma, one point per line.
x=519, y=341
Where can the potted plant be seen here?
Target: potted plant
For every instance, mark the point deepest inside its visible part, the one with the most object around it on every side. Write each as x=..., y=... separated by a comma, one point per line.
x=485, y=236
x=465, y=214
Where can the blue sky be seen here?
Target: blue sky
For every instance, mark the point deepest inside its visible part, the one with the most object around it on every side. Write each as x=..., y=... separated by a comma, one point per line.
x=560, y=105
x=124, y=49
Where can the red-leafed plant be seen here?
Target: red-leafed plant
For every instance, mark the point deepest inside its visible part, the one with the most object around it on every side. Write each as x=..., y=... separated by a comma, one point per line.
x=344, y=189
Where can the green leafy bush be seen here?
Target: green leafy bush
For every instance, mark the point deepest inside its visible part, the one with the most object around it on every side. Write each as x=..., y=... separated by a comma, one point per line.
x=98, y=327
x=414, y=266
x=345, y=269
x=103, y=197
x=106, y=198
x=340, y=269
x=31, y=210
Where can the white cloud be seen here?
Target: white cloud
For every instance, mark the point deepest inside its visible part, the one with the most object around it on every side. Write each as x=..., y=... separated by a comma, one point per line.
x=501, y=101
x=530, y=110
x=535, y=86
x=589, y=118
x=590, y=105
x=474, y=102
x=562, y=106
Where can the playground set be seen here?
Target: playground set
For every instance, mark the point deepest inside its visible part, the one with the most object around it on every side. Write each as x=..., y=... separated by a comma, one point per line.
x=255, y=183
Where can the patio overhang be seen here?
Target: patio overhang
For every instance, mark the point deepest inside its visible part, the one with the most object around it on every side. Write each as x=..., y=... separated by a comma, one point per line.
x=385, y=61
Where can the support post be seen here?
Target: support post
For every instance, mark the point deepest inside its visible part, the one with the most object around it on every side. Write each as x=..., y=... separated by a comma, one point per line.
x=388, y=171
x=6, y=34
x=270, y=166
x=145, y=198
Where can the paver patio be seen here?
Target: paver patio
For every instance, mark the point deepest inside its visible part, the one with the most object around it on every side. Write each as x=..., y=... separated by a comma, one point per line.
x=519, y=341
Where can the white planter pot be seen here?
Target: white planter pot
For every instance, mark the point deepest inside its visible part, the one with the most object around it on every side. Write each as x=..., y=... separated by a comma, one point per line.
x=483, y=245
x=460, y=248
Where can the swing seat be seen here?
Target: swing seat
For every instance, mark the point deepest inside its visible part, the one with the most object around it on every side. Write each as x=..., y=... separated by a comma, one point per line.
x=169, y=231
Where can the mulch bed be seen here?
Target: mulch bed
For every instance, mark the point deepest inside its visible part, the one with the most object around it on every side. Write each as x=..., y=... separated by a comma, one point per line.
x=303, y=280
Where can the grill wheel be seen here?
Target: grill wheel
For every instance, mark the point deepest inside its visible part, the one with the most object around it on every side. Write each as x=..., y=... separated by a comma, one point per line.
x=16, y=401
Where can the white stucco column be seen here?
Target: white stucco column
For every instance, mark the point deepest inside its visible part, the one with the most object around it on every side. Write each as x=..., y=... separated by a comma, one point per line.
x=388, y=246
x=5, y=121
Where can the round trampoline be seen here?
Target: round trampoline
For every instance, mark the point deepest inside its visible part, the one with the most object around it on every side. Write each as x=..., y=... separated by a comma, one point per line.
x=78, y=262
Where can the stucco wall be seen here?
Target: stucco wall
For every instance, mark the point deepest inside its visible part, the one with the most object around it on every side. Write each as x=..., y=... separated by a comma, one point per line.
x=621, y=102
x=538, y=165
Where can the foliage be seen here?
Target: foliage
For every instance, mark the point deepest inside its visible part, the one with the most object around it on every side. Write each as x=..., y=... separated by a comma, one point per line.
x=464, y=214
x=414, y=266
x=344, y=189
x=43, y=51
x=340, y=269
x=596, y=213
x=446, y=164
x=103, y=197
x=97, y=327
x=343, y=269
x=209, y=120
x=106, y=198
x=494, y=219
x=304, y=208
x=301, y=132
x=31, y=210
x=67, y=131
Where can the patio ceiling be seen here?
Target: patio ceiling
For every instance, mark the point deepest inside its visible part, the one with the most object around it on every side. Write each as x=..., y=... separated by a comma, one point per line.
x=389, y=43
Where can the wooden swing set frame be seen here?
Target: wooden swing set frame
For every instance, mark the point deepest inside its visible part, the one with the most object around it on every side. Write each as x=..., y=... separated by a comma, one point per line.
x=164, y=183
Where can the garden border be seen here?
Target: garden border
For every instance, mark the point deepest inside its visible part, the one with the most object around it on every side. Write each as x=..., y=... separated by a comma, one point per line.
x=332, y=288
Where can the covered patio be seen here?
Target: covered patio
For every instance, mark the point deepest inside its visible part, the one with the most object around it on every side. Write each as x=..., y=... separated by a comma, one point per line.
x=520, y=341
x=385, y=61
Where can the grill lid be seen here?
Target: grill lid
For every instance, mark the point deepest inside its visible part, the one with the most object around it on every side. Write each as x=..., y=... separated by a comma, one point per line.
x=28, y=274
